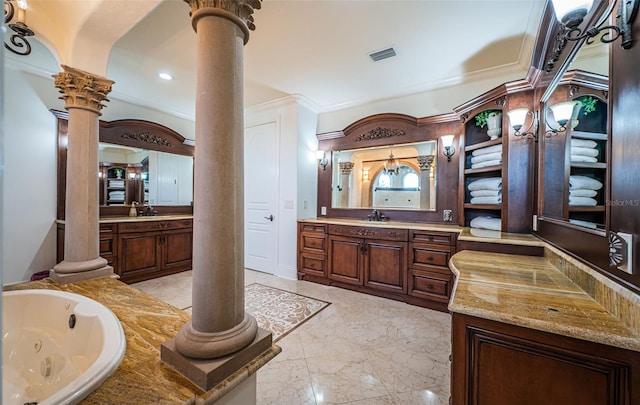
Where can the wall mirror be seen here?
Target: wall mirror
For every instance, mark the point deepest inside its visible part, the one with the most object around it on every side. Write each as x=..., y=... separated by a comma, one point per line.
x=574, y=166
x=129, y=174
x=392, y=177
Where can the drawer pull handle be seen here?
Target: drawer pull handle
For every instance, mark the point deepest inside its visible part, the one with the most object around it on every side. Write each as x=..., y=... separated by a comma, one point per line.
x=430, y=287
x=430, y=258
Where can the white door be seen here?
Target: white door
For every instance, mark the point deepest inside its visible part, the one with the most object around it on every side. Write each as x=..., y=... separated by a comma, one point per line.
x=261, y=197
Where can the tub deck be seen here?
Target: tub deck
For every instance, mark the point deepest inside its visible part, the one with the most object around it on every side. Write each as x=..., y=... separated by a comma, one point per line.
x=147, y=322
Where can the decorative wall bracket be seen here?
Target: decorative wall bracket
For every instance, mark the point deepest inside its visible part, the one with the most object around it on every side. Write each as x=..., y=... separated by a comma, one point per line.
x=621, y=251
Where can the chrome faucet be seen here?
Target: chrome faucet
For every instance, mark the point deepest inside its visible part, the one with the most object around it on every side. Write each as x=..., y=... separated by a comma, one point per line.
x=376, y=216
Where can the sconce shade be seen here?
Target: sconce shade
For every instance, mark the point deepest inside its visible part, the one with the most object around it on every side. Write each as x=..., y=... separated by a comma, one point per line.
x=517, y=117
x=320, y=154
x=571, y=12
x=447, y=140
x=562, y=112
x=322, y=159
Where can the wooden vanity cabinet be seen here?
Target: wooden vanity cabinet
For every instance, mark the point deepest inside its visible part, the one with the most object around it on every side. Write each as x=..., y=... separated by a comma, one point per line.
x=381, y=261
x=108, y=241
x=149, y=249
x=500, y=364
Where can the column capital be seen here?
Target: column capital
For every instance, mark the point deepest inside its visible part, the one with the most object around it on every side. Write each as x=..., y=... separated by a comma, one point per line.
x=346, y=167
x=238, y=11
x=425, y=161
x=82, y=90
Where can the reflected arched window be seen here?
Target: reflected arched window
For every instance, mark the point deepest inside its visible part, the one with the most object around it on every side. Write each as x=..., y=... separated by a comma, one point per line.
x=384, y=180
x=411, y=180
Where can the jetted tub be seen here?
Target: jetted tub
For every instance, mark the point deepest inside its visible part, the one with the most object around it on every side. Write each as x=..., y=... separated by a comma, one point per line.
x=57, y=347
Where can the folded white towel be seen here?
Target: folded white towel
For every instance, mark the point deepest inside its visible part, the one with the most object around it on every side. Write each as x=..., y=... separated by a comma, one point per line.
x=488, y=183
x=485, y=233
x=488, y=149
x=576, y=182
x=583, y=143
x=585, y=159
x=487, y=193
x=488, y=156
x=584, y=151
x=582, y=192
x=488, y=163
x=486, y=223
x=583, y=201
x=584, y=223
x=486, y=200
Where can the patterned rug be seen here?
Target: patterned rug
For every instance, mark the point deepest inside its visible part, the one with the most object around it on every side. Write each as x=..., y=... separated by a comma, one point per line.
x=277, y=310
x=280, y=311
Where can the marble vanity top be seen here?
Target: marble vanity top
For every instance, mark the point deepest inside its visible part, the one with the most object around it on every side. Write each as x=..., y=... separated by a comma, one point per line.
x=110, y=220
x=531, y=292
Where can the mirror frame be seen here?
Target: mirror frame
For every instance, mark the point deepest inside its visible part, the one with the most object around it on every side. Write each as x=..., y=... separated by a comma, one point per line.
x=395, y=129
x=128, y=132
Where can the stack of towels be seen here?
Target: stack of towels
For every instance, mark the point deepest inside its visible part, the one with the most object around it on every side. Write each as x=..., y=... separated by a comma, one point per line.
x=486, y=191
x=116, y=195
x=584, y=150
x=485, y=157
x=116, y=183
x=582, y=190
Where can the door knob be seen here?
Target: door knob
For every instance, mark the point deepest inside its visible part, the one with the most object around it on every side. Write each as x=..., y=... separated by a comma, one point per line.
x=270, y=217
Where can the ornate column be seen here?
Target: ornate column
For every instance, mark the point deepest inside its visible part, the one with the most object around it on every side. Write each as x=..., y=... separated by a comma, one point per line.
x=220, y=338
x=425, y=162
x=84, y=94
x=345, y=180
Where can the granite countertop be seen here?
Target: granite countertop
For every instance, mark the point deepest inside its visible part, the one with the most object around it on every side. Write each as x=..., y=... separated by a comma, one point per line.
x=142, y=378
x=529, y=291
x=111, y=220
x=385, y=224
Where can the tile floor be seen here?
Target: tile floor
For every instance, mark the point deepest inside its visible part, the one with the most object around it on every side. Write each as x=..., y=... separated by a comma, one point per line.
x=359, y=350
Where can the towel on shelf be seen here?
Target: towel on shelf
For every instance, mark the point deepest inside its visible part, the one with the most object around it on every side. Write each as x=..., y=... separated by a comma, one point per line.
x=583, y=159
x=578, y=182
x=485, y=233
x=488, y=163
x=487, y=150
x=487, y=193
x=491, y=223
x=583, y=143
x=488, y=183
x=116, y=183
x=584, y=151
x=582, y=192
x=486, y=200
x=584, y=223
x=583, y=201
x=488, y=156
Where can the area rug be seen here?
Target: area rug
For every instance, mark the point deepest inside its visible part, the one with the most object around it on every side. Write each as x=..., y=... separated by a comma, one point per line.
x=278, y=311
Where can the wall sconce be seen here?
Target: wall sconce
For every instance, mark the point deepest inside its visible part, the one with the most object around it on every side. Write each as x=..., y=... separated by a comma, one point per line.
x=447, y=146
x=571, y=13
x=22, y=31
x=518, y=117
x=322, y=159
x=132, y=175
x=365, y=174
x=561, y=113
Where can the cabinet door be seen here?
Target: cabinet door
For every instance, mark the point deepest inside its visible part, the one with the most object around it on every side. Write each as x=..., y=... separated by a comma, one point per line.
x=139, y=254
x=385, y=265
x=177, y=248
x=345, y=259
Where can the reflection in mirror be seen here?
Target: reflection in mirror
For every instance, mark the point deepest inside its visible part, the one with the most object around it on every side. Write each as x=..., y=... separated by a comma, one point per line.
x=129, y=174
x=389, y=177
x=575, y=158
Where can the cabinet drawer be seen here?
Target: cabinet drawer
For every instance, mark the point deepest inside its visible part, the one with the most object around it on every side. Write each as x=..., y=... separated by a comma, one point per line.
x=141, y=226
x=317, y=228
x=430, y=285
x=432, y=237
x=420, y=255
x=313, y=264
x=313, y=242
x=369, y=232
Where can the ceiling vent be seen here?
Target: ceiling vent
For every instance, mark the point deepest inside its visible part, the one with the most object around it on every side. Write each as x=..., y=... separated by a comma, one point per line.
x=383, y=54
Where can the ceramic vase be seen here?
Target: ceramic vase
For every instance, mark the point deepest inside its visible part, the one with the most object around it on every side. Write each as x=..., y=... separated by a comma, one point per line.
x=494, y=125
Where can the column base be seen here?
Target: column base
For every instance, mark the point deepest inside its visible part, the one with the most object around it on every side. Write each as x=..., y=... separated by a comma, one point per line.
x=206, y=374
x=66, y=278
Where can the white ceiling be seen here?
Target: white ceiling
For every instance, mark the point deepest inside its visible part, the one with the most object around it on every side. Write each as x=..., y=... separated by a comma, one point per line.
x=319, y=49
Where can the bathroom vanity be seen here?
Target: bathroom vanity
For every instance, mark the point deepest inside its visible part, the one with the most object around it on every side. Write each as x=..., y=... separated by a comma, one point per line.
x=142, y=248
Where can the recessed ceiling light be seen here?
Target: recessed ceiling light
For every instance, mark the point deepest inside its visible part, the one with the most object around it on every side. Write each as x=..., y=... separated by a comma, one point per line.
x=165, y=76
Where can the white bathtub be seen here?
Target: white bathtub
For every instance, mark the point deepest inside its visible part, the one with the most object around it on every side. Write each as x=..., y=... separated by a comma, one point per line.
x=57, y=347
